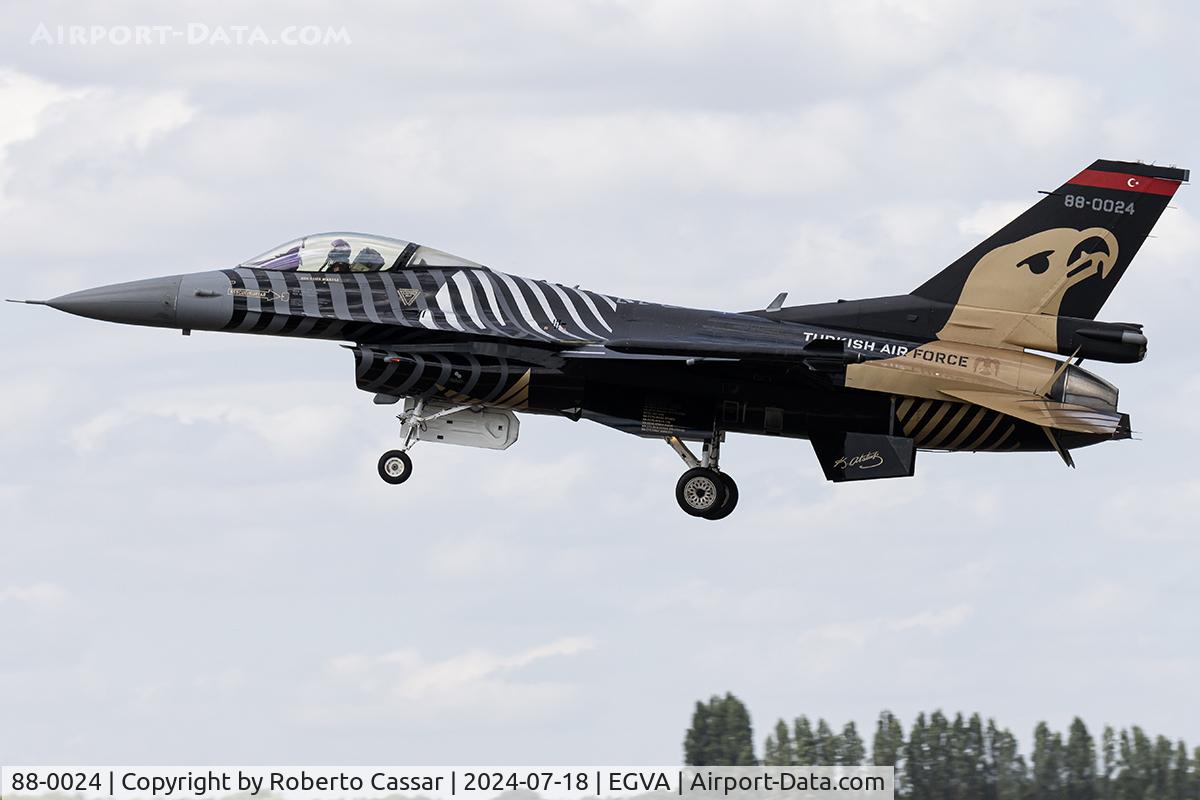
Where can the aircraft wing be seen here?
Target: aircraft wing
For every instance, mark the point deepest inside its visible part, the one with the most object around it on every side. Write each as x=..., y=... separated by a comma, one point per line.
x=1041, y=411
x=746, y=339
x=735, y=350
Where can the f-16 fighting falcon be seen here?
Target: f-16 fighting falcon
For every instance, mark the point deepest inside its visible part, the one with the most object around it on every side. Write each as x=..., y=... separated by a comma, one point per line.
x=869, y=382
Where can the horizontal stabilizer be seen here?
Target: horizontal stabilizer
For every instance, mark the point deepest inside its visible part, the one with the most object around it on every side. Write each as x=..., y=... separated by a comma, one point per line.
x=1043, y=412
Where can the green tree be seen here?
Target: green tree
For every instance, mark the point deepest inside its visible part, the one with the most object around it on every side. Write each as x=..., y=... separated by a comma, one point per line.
x=1047, y=761
x=887, y=748
x=1160, y=765
x=916, y=760
x=1141, y=763
x=1108, y=770
x=770, y=751
x=850, y=748
x=1195, y=787
x=1126, y=784
x=962, y=758
x=779, y=751
x=826, y=748
x=939, y=750
x=888, y=743
x=805, y=742
x=697, y=742
x=974, y=772
x=737, y=735
x=958, y=763
x=720, y=734
x=1012, y=775
x=1140, y=775
x=1143, y=756
x=1079, y=763
x=1181, y=783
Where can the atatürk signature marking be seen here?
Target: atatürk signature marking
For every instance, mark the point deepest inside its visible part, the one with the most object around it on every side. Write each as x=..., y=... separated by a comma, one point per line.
x=862, y=461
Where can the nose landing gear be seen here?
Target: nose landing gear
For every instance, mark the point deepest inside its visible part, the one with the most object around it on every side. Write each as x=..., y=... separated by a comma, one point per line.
x=395, y=466
x=704, y=491
x=445, y=423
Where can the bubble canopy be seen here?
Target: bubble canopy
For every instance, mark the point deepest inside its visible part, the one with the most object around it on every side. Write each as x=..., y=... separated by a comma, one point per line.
x=351, y=252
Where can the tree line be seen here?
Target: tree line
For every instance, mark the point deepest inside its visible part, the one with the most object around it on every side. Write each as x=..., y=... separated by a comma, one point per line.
x=964, y=757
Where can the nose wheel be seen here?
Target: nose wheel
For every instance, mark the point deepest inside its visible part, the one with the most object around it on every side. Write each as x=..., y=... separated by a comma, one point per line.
x=395, y=466
x=704, y=491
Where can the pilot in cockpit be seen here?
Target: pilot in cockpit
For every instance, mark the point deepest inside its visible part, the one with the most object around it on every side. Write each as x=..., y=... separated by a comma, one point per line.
x=367, y=260
x=338, y=259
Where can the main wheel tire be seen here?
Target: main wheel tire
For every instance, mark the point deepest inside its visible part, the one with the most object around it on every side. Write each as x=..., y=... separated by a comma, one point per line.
x=395, y=466
x=700, y=491
x=731, y=499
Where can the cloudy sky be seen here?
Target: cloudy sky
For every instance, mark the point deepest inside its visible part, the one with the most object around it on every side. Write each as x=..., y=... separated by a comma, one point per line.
x=199, y=563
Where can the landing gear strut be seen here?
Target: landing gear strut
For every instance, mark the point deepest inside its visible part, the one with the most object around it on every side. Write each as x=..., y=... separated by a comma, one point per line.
x=463, y=424
x=704, y=491
x=395, y=466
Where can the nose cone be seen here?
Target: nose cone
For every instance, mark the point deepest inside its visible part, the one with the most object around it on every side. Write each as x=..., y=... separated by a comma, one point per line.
x=148, y=302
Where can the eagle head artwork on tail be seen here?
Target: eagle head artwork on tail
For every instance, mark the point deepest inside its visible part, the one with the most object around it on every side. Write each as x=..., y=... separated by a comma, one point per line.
x=1031, y=275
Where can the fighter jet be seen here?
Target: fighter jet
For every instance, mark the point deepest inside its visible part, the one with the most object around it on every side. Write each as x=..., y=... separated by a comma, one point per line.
x=964, y=362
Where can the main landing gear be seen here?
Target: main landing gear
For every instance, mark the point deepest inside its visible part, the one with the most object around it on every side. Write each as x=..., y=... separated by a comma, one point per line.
x=704, y=491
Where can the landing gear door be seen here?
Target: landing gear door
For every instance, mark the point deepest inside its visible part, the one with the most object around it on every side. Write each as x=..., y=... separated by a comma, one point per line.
x=848, y=456
x=489, y=428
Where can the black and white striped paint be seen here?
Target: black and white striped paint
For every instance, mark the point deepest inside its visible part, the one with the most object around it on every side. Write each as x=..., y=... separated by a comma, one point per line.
x=456, y=377
x=475, y=301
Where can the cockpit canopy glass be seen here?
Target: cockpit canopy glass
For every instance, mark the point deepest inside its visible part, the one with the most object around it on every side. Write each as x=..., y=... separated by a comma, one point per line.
x=351, y=252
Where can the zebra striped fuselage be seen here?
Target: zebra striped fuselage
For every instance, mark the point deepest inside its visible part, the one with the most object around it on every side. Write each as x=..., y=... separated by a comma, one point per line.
x=374, y=306
x=417, y=331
